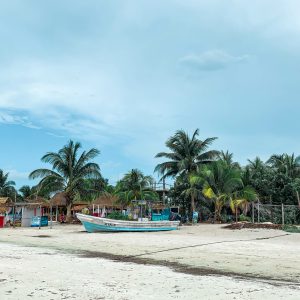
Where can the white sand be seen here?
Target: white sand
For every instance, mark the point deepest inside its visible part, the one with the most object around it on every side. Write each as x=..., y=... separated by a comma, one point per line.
x=48, y=269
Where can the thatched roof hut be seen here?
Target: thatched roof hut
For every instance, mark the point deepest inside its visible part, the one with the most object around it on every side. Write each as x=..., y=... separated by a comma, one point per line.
x=36, y=202
x=79, y=206
x=107, y=201
x=58, y=199
x=5, y=201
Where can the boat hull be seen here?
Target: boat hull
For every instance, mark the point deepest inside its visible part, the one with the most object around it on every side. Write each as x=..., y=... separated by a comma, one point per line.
x=96, y=224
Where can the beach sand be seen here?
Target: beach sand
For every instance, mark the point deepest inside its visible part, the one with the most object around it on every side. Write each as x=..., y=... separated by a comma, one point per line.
x=195, y=262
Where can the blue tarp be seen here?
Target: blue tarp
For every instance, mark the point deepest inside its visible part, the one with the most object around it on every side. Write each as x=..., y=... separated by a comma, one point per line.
x=37, y=221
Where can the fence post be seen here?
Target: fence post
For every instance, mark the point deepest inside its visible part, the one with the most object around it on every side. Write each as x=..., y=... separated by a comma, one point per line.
x=258, y=219
x=282, y=213
x=51, y=216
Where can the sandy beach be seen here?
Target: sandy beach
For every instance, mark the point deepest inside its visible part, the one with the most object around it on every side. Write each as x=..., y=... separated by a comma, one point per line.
x=199, y=262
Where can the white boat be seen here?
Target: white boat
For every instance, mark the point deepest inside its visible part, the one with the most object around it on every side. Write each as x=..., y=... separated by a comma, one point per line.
x=95, y=224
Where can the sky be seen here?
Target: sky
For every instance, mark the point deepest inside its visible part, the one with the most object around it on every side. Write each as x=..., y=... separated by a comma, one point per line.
x=123, y=76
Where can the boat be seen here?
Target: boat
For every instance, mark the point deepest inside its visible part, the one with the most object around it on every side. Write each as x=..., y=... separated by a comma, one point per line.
x=95, y=224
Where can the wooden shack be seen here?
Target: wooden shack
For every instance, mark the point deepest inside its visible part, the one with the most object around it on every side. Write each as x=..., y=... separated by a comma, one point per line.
x=33, y=207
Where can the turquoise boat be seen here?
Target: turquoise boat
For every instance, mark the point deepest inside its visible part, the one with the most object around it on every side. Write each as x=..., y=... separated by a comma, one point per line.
x=96, y=224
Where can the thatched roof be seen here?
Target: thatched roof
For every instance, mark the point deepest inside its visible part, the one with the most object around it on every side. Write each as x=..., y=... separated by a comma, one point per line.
x=37, y=201
x=79, y=206
x=107, y=201
x=5, y=201
x=158, y=205
x=58, y=199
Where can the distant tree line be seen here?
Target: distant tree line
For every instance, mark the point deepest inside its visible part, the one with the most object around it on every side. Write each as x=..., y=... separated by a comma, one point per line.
x=204, y=179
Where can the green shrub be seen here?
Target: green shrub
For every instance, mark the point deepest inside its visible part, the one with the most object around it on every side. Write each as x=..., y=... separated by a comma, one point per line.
x=117, y=216
x=244, y=218
x=291, y=228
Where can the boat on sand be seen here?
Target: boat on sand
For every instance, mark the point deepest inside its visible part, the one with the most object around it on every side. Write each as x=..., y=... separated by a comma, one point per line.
x=95, y=224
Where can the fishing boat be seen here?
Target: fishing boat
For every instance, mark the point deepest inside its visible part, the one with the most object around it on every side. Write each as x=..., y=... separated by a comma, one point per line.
x=95, y=224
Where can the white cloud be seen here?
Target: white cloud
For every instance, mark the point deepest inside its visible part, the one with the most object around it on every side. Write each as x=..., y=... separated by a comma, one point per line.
x=16, y=175
x=12, y=118
x=212, y=60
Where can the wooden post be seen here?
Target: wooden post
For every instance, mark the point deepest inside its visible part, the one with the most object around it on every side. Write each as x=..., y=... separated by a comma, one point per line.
x=56, y=213
x=14, y=212
x=98, y=211
x=282, y=213
x=298, y=198
x=51, y=217
x=258, y=219
x=93, y=209
x=40, y=223
x=252, y=212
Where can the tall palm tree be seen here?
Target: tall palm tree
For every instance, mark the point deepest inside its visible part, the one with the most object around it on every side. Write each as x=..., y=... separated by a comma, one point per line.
x=187, y=154
x=6, y=186
x=192, y=189
x=135, y=186
x=69, y=171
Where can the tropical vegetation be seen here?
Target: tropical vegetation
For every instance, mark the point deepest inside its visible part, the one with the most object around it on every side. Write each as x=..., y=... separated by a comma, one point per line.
x=203, y=179
x=69, y=173
x=7, y=187
x=135, y=186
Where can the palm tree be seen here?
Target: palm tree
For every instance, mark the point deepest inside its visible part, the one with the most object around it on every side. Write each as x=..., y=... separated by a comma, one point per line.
x=227, y=158
x=69, y=172
x=134, y=186
x=287, y=164
x=6, y=186
x=186, y=157
x=192, y=189
x=256, y=165
x=224, y=185
x=27, y=191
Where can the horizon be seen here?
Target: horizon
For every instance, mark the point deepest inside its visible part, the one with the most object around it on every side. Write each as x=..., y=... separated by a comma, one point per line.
x=124, y=76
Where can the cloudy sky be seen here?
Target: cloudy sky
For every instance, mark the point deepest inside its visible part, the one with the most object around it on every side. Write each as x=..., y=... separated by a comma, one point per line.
x=123, y=76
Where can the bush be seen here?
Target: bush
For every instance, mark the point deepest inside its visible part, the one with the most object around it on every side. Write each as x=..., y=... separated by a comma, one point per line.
x=226, y=218
x=244, y=218
x=293, y=229
x=117, y=216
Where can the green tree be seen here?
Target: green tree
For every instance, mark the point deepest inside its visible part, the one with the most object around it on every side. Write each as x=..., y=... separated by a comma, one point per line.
x=27, y=191
x=224, y=185
x=187, y=155
x=135, y=186
x=227, y=158
x=286, y=164
x=7, y=188
x=69, y=171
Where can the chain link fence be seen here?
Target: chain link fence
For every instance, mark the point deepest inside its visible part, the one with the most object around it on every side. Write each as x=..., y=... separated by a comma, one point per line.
x=276, y=214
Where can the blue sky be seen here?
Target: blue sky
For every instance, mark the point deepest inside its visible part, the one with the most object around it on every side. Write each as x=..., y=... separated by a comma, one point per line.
x=123, y=76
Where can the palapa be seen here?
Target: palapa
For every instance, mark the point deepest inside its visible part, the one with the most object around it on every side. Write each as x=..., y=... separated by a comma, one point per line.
x=58, y=199
x=36, y=202
x=107, y=201
x=5, y=201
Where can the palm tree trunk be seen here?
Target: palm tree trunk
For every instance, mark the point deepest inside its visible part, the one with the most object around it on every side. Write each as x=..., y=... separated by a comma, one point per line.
x=193, y=203
x=69, y=212
x=236, y=215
